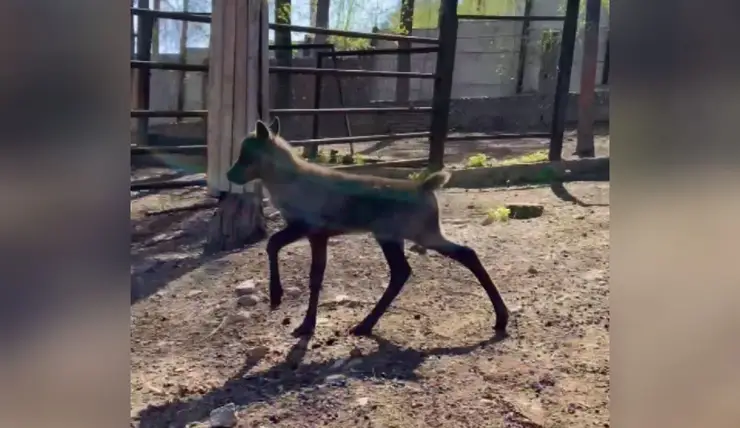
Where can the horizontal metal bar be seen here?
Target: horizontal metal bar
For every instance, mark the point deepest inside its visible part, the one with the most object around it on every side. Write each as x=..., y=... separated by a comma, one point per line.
x=355, y=34
x=179, y=16
x=172, y=150
x=161, y=185
x=367, y=52
x=498, y=136
x=342, y=72
x=201, y=150
x=302, y=46
x=206, y=18
x=158, y=65
x=358, y=139
x=509, y=18
x=350, y=110
x=169, y=113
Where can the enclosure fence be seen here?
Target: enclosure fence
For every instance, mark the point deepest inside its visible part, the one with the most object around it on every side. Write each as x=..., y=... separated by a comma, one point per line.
x=444, y=46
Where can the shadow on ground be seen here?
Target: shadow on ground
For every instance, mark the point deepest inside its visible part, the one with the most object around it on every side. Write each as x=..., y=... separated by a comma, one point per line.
x=563, y=194
x=388, y=362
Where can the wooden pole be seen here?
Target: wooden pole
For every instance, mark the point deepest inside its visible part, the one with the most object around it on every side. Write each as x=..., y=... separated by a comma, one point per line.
x=587, y=94
x=237, y=98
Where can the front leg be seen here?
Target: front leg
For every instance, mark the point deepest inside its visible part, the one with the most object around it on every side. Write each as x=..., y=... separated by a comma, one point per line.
x=319, y=243
x=292, y=232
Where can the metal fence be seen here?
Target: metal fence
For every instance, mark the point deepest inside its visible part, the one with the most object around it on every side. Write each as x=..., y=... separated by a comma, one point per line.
x=444, y=46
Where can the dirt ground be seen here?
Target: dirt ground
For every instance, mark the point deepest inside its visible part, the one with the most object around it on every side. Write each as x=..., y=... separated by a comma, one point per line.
x=432, y=363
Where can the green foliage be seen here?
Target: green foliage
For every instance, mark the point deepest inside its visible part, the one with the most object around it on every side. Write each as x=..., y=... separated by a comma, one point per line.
x=480, y=160
x=419, y=175
x=477, y=161
x=498, y=214
x=426, y=12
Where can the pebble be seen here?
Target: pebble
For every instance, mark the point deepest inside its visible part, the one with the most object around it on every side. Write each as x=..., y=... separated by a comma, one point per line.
x=245, y=288
x=362, y=401
x=341, y=298
x=223, y=417
x=248, y=301
x=194, y=293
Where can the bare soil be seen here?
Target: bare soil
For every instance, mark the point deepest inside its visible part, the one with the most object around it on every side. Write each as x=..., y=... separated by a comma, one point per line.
x=433, y=362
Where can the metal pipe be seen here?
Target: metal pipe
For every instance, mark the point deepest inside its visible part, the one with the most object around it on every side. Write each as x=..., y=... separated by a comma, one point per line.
x=565, y=64
x=341, y=72
x=302, y=46
x=178, y=16
x=206, y=18
x=173, y=150
x=367, y=52
x=158, y=65
x=201, y=149
x=169, y=113
x=355, y=34
x=351, y=110
x=509, y=18
x=162, y=185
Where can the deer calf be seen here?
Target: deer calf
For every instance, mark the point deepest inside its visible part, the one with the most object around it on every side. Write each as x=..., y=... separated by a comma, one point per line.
x=318, y=203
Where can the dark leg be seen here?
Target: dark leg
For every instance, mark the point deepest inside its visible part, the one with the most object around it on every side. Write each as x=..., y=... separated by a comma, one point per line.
x=316, y=278
x=400, y=272
x=283, y=238
x=468, y=258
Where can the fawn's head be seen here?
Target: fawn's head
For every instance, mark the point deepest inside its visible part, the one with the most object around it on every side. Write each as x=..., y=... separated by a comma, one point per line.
x=260, y=151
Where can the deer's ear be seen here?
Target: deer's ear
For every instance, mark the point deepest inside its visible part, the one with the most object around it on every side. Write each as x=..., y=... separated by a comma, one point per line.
x=263, y=132
x=275, y=126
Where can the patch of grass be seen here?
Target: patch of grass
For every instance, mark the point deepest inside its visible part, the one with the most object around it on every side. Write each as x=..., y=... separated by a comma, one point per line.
x=480, y=160
x=498, y=214
x=477, y=161
x=419, y=175
x=358, y=159
x=332, y=157
x=529, y=158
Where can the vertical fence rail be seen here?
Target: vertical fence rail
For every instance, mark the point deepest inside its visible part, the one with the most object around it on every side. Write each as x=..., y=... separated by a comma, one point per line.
x=443, y=83
x=565, y=65
x=521, y=66
x=144, y=53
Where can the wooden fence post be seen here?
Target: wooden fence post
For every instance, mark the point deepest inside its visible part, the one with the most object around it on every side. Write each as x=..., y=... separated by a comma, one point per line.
x=238, y=70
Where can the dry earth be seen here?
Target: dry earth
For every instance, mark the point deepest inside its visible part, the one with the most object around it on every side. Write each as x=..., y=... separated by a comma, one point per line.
x=432, y=364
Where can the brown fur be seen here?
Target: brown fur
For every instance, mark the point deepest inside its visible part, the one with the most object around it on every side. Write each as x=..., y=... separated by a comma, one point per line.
x=319, y=202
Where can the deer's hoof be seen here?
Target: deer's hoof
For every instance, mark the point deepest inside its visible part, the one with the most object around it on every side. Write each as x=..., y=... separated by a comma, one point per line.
x=303, y=330
x=361, y=330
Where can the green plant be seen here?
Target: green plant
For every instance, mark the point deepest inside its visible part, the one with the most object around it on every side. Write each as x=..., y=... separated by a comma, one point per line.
x=529, y=158
x=498, y=214
x=549, y=39
x=419, y=175
x=358, y=159
x=477, y=161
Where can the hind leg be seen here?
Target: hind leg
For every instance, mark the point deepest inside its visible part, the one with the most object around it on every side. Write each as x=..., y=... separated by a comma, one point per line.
x=468, y=258
x=399, y=274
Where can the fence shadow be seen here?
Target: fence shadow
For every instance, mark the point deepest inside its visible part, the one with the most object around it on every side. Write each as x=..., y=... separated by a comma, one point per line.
x=389, y=362
x=559, y=190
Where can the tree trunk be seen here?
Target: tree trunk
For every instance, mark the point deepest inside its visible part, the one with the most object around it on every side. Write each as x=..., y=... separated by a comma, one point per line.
x=238, y=88
x=238, y=222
